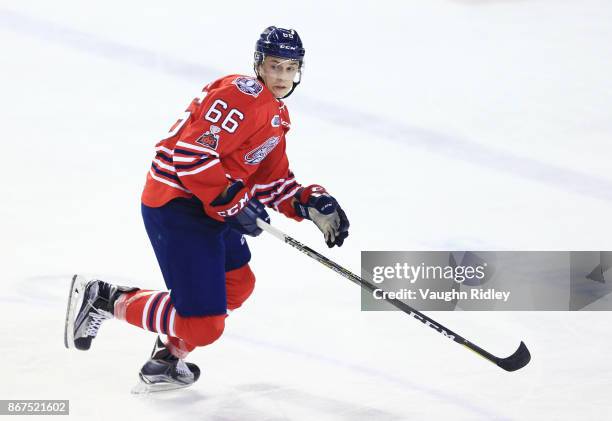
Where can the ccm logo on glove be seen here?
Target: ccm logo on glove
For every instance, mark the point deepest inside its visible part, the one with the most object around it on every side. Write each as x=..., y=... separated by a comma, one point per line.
x=236, y=207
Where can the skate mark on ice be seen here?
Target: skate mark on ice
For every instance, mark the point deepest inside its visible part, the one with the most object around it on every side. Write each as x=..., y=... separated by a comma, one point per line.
x=271, y=402
x=322, y=404
x=458, y=401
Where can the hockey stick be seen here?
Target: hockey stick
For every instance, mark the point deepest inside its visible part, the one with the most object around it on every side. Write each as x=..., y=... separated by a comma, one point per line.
x=518, y=360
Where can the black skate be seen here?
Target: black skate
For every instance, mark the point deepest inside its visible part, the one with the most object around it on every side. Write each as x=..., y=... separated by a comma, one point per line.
x=164, y=371
x=89, y=304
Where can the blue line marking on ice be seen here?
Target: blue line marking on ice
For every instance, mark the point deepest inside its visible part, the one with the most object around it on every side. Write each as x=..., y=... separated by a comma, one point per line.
x=453, y=147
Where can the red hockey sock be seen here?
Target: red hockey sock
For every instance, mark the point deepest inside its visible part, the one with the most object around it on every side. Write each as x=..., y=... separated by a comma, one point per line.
x=178, y=347
x=154, y=311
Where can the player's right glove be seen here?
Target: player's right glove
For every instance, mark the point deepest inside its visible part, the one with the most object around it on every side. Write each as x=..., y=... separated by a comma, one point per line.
x=314, y=203
x=236, y=207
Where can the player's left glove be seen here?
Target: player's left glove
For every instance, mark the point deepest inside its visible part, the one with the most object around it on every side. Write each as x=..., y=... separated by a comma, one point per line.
x=245, y=221
x=237, y=208
x=314, y=203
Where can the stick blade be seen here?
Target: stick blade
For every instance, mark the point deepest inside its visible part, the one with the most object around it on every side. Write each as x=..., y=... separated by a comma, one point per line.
x=518, y=360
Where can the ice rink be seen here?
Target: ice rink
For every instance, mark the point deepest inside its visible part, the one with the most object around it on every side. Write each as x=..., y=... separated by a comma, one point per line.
x=438, y=125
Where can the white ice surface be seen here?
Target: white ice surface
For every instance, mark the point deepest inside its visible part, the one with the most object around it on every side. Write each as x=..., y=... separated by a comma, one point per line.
x=438, y=125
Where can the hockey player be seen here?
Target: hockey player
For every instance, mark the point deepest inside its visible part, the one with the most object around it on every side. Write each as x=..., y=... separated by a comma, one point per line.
x=214, y=174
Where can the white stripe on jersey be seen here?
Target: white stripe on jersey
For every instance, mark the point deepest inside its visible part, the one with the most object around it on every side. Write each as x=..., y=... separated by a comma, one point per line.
x=196, y=148
x=291, y=193
x=165, y=166
x=265, y=186
x=164, y=149
x=169, y=183
x=278, y=190
x=200, y=169
x=182, y=159
x=159, y=313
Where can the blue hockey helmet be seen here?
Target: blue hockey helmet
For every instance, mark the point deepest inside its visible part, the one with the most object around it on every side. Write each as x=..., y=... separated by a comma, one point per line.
x=282, y=43
x=279, y=42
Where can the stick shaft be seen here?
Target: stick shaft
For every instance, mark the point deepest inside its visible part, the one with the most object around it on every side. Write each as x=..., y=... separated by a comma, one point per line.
x=519, y=359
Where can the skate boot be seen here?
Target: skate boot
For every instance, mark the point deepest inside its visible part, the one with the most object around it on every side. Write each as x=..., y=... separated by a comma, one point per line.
x=89, y=304
x=164, y=371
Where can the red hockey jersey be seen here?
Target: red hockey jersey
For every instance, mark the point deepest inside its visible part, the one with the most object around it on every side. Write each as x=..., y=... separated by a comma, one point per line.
x=235, y=130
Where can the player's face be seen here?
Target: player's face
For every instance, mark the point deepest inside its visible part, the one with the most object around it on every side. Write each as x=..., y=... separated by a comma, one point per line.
x=278, y=74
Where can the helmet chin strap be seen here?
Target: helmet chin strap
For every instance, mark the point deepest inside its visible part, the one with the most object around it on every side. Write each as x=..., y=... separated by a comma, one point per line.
x=295, y=84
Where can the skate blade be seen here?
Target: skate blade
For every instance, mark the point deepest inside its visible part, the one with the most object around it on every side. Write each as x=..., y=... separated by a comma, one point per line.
x=142, y=388
x=75, y=299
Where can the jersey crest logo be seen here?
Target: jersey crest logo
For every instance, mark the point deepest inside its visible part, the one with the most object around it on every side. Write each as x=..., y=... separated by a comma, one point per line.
x=258, y=154
x=248, y=85
x=276, y=121
x=210, y=139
